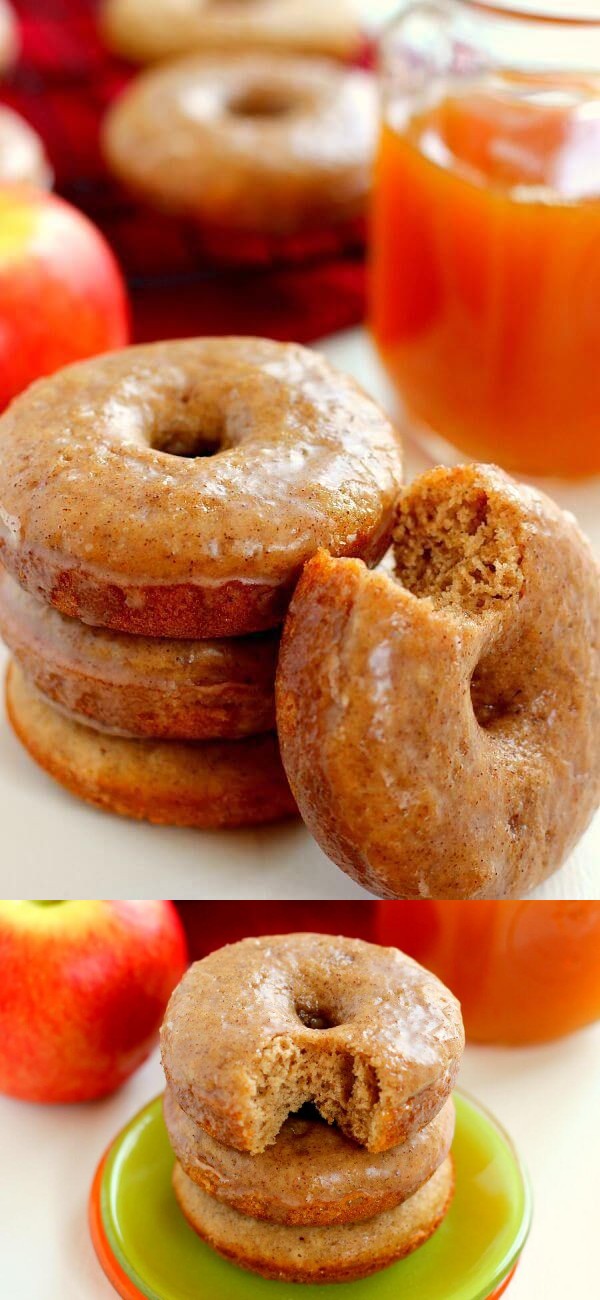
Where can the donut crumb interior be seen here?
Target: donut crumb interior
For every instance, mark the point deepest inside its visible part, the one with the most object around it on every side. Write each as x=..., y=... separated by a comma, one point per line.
x=455, y=543
x=343, y=1087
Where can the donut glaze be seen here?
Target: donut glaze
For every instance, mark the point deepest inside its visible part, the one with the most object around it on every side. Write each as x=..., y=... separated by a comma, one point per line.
x=312, y=1174
x=441, y=731
x=142, y=686
x=23, y=159
x=204, y=784
x=110, y=511
x=9, y=36
x=259, y=1028
x=338, y=1253
x=145, y=32
x=255, y=143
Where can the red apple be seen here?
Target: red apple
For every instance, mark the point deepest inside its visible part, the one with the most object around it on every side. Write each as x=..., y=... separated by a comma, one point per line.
x=83, y=989
x=62, y=295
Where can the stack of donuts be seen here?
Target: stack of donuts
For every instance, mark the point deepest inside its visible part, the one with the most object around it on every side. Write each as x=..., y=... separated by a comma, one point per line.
x=308, y=1104
x=156, y=508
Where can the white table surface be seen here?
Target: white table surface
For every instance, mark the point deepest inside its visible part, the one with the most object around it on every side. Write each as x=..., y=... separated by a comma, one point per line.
x=548, y=1098
x=54, y=846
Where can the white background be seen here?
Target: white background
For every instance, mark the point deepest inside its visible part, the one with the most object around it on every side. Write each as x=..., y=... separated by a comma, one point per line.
x=54, y=846
x=548, y=1098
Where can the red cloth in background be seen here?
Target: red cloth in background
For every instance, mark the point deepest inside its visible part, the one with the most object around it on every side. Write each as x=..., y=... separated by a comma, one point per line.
x=64, y=81
x=209, y=925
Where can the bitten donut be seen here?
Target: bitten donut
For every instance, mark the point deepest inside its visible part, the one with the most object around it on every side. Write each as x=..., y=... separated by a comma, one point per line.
x=23, y=159
x=176, y=489
x=258, y=1029
x=142, y=686
x=312, y=1174
x=254, y=143
x=441, y=731
x=205, y=784
x=145, y=32
x=9, y=37
x=339, y=1253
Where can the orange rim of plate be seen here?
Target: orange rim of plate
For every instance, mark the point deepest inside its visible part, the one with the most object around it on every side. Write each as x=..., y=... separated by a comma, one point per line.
x=110, y=1264
x=119, y=1279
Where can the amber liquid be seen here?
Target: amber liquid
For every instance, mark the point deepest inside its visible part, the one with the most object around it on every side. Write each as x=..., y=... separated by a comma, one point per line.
x=485, y=282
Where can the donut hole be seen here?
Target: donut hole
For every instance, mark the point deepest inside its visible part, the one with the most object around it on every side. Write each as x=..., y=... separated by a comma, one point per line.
x=175, y=445
x=455, y=544
x=184, y=438
x=493, y=707
x=315, y=1017
x=261, y=101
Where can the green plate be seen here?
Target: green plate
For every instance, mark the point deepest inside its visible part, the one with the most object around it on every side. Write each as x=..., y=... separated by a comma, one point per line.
x=148, y=1250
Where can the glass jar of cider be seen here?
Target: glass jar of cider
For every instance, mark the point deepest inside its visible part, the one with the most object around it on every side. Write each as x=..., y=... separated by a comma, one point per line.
x=485, y=278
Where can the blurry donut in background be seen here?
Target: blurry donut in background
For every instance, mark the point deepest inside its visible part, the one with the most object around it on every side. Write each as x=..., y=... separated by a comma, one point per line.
x=9, y=36
x=250, y=143
x=23, y=159
x=145, y=32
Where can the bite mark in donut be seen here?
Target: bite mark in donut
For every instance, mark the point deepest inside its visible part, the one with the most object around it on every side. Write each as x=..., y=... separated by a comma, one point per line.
x=441, y=731
x=380, y=1068
x=312, y=1173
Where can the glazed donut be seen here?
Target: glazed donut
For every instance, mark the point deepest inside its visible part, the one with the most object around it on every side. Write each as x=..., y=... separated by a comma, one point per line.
x=23, y=159
x=259, y=1028
x=338, y=1253
x=213, y=784
x=312, y=1174
x=145, y=32
x=142, y=686
x=176, y=489
x=9, y=36
x=441, y=732
x=253, y=143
